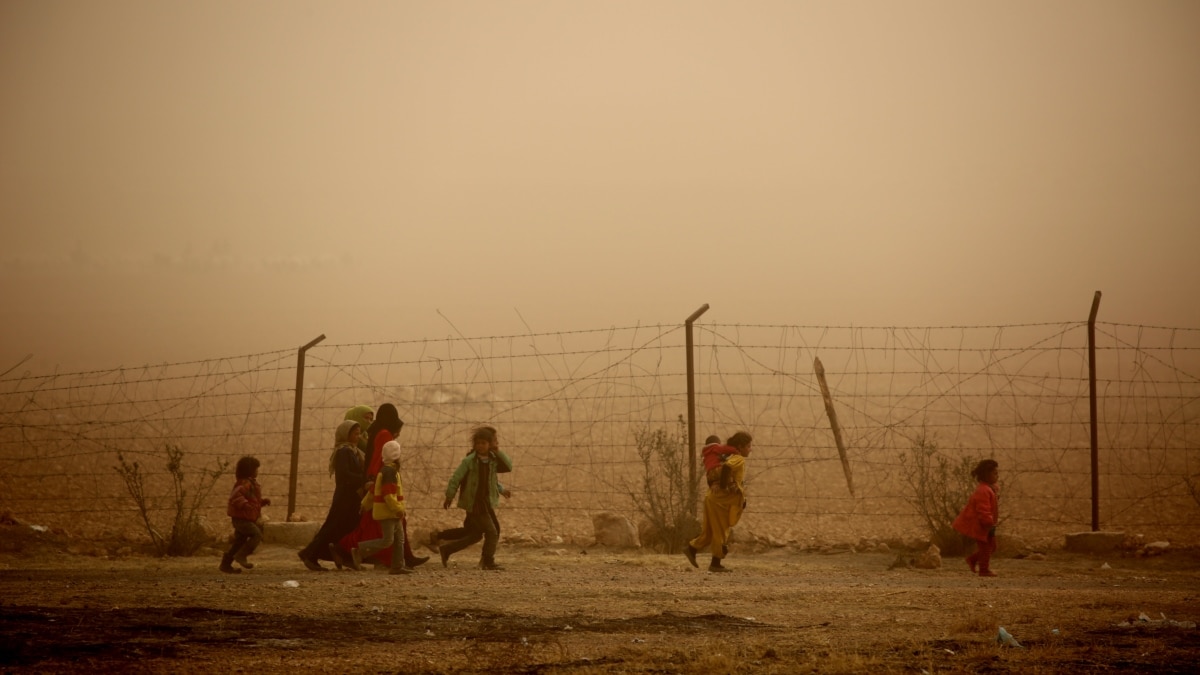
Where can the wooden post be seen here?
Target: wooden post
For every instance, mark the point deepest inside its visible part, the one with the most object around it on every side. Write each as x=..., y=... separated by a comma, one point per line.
x=1092, y=410
x=832, y=414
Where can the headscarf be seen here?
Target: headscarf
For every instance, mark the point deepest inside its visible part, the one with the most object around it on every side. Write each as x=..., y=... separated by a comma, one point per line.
x=341, y=438
x=386, y=418
x=391, y=451
x=359, y=414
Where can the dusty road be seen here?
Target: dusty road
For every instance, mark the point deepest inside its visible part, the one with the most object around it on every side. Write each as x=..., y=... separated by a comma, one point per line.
x=571, y=610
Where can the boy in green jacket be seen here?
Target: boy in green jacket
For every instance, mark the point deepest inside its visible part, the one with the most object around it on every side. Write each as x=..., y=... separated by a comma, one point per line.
x=480, y=496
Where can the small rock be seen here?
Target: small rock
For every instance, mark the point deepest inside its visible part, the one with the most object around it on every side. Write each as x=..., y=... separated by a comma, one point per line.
x=1005, y=638
x=931, y=559
x=614, y=530
x=1156, y=548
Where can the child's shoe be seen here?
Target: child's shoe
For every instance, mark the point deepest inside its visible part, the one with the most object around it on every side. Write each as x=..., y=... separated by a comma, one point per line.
x=340, y=558
x=400, y=570
x=715, y=565
x=226, y=567
x=986, y=573
x=241, y=560
x=691, y=555
x=356, y=556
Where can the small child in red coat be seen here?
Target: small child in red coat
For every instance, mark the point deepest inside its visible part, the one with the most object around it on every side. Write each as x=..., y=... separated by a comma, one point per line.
x=978, y=518
x=245, y=508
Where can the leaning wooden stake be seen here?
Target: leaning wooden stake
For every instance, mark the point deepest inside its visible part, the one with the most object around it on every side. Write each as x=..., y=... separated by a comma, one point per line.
x=837, y=431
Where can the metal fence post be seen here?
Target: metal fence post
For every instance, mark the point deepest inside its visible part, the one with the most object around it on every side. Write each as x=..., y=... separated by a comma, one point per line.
x=296, y=425
x=1092, y=408
x=691, y=411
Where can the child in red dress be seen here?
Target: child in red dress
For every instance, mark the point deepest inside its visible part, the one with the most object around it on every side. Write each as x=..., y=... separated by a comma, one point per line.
x=978, y=518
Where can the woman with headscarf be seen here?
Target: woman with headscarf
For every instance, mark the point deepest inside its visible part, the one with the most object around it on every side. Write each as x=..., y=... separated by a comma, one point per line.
x=346, y=468
x=364, y=415
x=386, y=427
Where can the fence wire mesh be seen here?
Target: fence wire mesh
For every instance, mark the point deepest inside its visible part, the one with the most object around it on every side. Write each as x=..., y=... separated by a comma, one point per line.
x=569, y=406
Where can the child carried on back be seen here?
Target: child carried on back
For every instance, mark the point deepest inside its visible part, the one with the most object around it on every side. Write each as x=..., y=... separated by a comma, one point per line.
x=714, y=455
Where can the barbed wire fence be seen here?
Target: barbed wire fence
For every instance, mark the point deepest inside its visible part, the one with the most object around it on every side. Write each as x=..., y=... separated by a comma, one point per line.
x=569, y=405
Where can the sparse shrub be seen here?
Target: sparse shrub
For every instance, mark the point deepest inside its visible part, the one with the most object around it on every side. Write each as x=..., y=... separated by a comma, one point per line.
x=186, y=535
x=666, y=495
x=940, y=486
x=1193, y=488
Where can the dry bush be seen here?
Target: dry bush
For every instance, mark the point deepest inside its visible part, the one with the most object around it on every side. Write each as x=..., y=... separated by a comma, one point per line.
x=666, y=496
x=186, y=534
x=940, y=486
x=1193, y=487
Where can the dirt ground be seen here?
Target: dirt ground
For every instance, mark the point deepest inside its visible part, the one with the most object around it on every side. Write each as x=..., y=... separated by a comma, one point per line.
x=573, y=610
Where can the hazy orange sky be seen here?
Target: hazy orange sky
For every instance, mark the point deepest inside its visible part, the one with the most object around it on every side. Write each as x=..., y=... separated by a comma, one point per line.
x=188, y=180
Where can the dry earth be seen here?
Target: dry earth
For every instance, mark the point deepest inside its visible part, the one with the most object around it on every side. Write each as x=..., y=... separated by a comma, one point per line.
x=571, y=610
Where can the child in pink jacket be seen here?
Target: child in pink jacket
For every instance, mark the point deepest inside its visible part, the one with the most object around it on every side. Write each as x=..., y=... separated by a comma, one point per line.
x=979, y=516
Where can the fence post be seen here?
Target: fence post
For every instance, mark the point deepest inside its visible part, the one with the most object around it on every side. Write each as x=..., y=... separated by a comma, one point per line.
x=819, y=369
x=691, y=411
x=296, y=425
x=1092, y=407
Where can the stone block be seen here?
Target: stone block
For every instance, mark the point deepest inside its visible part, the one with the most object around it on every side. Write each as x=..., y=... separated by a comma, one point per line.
x=1094, y=542
x=296, y=535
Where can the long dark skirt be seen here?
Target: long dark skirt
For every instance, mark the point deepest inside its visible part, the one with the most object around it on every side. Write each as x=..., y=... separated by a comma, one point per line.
x=341, y=520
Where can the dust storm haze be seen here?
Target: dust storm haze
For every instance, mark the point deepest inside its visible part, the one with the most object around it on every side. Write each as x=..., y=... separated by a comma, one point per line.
x=193, y=180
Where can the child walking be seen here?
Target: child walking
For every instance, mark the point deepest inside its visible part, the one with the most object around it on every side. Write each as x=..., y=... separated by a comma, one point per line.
x=978, y=518
x=387, y=508
x=245, y=508
x=479, y=497
x=724, y=502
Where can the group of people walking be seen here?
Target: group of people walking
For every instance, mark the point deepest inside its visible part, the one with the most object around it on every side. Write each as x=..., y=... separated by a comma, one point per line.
x=367, y=519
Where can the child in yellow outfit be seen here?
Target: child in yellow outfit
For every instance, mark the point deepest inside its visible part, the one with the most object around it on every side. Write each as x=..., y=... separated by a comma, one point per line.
x=387, y=504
